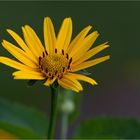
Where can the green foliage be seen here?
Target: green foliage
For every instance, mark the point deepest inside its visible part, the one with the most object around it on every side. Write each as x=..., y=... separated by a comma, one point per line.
x=109, y=128
x=22, y=121
x=18, y=131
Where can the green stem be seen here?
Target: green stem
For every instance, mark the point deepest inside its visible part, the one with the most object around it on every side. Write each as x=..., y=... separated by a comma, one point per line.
x=53, y=113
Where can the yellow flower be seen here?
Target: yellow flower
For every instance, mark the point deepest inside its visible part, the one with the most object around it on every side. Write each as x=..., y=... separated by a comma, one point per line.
x=59, y=59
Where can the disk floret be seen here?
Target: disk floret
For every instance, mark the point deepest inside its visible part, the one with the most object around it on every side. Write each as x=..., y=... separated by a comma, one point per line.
x=54, y=64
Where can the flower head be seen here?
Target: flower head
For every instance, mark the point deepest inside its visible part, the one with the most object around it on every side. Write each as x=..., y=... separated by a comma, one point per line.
x=58, y=60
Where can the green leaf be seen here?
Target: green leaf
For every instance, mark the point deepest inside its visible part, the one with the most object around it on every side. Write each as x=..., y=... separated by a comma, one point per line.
x=22, y=121
x=19, y=132
x=109, y=128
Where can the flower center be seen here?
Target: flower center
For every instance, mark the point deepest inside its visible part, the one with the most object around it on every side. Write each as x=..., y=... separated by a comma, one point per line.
x=54, y=64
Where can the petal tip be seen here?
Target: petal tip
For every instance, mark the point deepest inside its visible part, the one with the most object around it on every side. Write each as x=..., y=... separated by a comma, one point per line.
x=97, y=33
x=3, y=43
x=8, y=30
x=47, y=18
x=108, y=57
x=70, y=18
x=107, y=45
x=46, y=84
x=27, y=26
x=95, y=83
x=78, y=91
x=90, y=26
x=67, y=19
x=15, y=78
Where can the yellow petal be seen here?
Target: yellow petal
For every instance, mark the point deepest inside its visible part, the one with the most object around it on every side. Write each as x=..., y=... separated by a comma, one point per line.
x=73, y=79
x=19, y=54
x=89, y=63
x=28, y=75
x=21, y=43
x=49, y=35
x=78, y=39
x=32, y=72
x=34, y=39
x=70, y=82
x=49, y=81
x=30, y=42
x=67, y=85
x=14, y=64
x=64, y=35
x=91, y=53
x=84, y=46
x=83, y=78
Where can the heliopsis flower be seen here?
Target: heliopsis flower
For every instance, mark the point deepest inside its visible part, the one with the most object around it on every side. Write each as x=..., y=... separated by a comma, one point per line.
x=59, y=59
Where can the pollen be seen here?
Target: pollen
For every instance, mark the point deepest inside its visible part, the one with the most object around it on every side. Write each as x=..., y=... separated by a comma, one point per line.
x=54, y=65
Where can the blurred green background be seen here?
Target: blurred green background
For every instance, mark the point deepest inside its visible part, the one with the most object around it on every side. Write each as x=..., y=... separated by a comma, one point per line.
x=118, y=92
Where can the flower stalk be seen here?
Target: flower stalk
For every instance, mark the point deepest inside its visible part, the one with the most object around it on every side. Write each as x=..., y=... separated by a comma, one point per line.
x=53, y=112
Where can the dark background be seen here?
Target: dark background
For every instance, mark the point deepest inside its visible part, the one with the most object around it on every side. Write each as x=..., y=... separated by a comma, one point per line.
x=118, y=92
